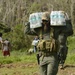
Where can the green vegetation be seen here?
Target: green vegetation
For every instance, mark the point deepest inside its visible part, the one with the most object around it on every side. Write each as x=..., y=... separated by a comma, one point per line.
x=71, y=50
x=71, y=43
x=21, y=63
x=22, y=55
x=17, y=38
x=15, y=13
x=70, y=58
x=17, y=56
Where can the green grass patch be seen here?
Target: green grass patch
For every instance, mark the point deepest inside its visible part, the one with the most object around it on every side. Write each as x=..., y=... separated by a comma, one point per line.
x=71, y=50
x=70, y=58
x=71, y=43
x=17, y=56
x=22, y=56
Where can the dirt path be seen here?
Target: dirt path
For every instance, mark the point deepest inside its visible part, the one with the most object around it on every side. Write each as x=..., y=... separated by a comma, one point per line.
x=68, y=70
x=19, y=67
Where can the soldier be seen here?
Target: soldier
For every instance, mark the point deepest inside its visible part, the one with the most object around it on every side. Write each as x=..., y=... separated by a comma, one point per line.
x=52, y=45
x=48, y=59
x=48, y=47
x=63, y=50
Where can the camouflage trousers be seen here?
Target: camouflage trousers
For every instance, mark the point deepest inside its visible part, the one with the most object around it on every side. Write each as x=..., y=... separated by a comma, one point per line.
x=49, y=65
x=63, y=50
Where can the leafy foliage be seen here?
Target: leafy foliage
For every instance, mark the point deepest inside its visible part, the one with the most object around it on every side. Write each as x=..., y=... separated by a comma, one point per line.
x=17, y=56
x=17, y=38
x=71, y=43
x=15, y=13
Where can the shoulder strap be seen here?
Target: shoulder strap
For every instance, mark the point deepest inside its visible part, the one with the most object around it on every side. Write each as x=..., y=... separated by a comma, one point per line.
x=41, y=34
x=51, y=34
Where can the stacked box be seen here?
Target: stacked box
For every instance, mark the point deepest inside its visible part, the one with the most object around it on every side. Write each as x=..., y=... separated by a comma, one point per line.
x=35, y=20
x=58, y=18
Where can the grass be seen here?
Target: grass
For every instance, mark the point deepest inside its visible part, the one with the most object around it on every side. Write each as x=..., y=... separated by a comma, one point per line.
x=17, y=56
x=70, y=59
x=22, y=56
x=71, y=43
x=18, y=70
x=25, y=64
x=20, y=64
x=71, y=51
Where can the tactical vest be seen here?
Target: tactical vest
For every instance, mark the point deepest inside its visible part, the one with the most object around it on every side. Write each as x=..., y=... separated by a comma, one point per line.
x=50, y=45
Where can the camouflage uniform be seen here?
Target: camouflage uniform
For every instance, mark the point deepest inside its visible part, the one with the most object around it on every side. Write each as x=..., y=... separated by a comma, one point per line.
x=63, y=50
x=48, y=60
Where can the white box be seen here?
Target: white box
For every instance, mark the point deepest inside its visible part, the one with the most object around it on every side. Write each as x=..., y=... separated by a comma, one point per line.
x=57, y=18
x=35, y=20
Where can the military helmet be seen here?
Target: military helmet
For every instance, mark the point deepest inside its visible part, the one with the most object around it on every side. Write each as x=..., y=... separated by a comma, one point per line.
x=46, y=16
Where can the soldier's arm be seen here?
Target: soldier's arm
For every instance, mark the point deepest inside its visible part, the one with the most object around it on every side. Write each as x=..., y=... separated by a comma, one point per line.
x=28, y=30
x=68, y=29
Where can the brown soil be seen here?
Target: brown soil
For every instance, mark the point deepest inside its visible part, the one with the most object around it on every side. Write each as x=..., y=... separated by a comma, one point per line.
x=68, y=69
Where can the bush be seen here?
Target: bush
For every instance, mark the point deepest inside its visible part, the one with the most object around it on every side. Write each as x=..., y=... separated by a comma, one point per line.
x=17, y=38
x=71, y=43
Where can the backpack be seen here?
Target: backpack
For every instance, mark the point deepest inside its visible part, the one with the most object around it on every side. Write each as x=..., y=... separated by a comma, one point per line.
x=28, y=30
